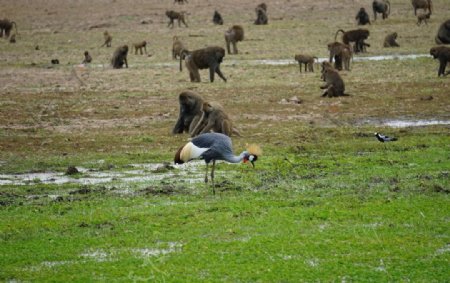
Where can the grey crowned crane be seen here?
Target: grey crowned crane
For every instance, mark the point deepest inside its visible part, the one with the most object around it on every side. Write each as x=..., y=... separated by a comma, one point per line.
x=213, y=147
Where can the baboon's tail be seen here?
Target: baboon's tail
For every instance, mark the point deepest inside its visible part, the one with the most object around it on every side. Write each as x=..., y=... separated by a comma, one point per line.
x=389, y=7
x=335, y=36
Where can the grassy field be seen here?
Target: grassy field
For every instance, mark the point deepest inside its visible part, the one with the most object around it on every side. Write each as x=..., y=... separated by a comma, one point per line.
x=326, y=201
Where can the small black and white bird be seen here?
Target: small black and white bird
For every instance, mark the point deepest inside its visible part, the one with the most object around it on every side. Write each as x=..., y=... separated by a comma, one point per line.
x=382, y=138
x=213, y=147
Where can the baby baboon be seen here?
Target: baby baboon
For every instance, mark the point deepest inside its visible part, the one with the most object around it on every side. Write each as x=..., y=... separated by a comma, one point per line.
x=381, y=6
x=177, y=47
x=421, y=4
x=443, y=54
x=334, y=85
x=190, y=112
x=213, y=119
x=362, y=17
x=12, y=38
x=233, y=35
x=443, y=35
x=307, y=60
x=217, y=18
x=423, y=18
x=390, y=40
x=357, y=36
x=209, y=57
x=108, y=39
x=120, y=57
x=261, y=14
x=6, y=27
x=342, y=54
x=139, y=46
x=172, y=15
x=87, y=58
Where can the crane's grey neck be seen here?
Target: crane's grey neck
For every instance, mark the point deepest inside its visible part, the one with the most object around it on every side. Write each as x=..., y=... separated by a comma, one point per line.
x=236, y=159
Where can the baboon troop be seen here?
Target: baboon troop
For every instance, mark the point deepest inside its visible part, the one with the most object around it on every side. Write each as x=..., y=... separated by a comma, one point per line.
x=120, y=57
x=421, y=4
x=108, y=39
x=190, y=107
x=423, y=18
x=205, y=58
x=362, y=17
x=213, y=119
x=381, y=6
x=217, y=18
x=443, y=34
x=442, y=53
x=232, y=36
x=179, y=16
x=334, y=85
x=261, y=14
x=307, y=60
x=139, y=46
x=341, y=53
x=6, y=27
x=87, y=58
x=390, y=40
x=357, y=36
x=177, y=47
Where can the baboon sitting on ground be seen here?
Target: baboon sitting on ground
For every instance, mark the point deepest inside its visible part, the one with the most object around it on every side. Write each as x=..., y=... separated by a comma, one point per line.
x=390, y=40
x=120, y=57
x=190, y=109
x=334, y=85
x=87, y=58
x=108, y=39
x=261, y=14
x=362, y=17
x=217, y=18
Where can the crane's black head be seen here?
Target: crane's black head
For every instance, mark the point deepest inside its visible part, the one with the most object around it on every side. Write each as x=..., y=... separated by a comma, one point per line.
x=251, y=154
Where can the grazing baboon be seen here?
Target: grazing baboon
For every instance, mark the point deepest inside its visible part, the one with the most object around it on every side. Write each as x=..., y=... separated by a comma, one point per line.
x=120, y=57
x=261, y=14
x=362, y=17
x=87, y=58
x=12, y=38
x=307, y=60
x=108, y=39
x=177, y=47
x=334, y=85
x=421, y=4
x=139, y=46
x=423, y=18
x=342, y=54
x=217, y=18
x=179, y=16
x=357, y=36
x=209, y=57
x=190, y=112
x=443, y=35
x=443, y=54
x=213, y=119
x=381, y=6
x=390, y=40
x=233, y=35
x=6, y=27
x=180, y=1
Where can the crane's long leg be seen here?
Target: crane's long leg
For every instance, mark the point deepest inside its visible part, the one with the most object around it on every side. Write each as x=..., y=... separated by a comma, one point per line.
x=212, y=176
x=206, y=174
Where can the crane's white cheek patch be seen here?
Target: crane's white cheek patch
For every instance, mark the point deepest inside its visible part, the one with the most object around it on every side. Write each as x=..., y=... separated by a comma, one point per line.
x=190, y=151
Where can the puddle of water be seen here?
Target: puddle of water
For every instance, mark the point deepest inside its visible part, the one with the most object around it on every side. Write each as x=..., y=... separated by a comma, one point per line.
x=149, y=252
x=403, y=123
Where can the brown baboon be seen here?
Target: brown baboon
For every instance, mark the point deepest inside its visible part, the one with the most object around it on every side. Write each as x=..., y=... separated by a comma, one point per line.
x=362, y=17
x=307, y=60
x=443, y=35
x=390, y=40
x=120, y=57
x=177, y=47
x=421, y=4
x=233, y=35
x=87, y=58
x=209, y=57
x=381, y=6
x=12, y=38
x=342, y=54
x=179, y=16
x=261, y=14
x=325, y=65
x=180, y=1
x=443, y=54
x=357, y=36
x=6, y=27
x=190, y=112
x=334, y=85
x=108, y=39
x=217, y=18
x=139, y=46
x=423, y=18
x=213, y=119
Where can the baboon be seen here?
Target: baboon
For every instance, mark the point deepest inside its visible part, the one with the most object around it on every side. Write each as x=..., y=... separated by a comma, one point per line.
x=190, y=109
x=213, y=119
x=362, y=17
x=209, y=57
x=307, y=60
x=12, y=38
x=217, y=18
x=342, y=54
x=233, y=35
x=120, y=57
x=334, y=85
x=443, y=34
x=357, y=36
x=177, y=47
x=180, y=1
x=390, y=40
x=87, y=58
x=108, y=39
x=421, y=4
x=6, y=27
x=381, y=6
x=179, y=16
x=423, y=18
x=325, y=65
x=443, y=54
x=55, y=61
x=261, y=14
x=139, y=46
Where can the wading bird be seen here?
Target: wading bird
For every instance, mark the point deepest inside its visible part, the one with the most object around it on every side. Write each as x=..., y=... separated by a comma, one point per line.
x=382, y=138
x=213, y=147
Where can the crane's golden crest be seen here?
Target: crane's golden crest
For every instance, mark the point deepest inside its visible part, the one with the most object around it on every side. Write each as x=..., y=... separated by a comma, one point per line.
x=254, y=149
